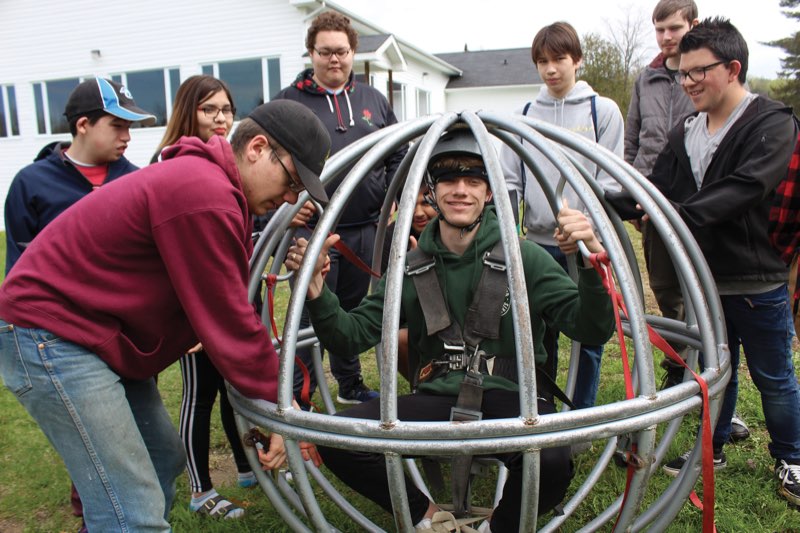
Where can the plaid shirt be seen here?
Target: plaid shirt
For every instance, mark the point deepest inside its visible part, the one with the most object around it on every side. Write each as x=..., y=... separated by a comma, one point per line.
x=784, y=216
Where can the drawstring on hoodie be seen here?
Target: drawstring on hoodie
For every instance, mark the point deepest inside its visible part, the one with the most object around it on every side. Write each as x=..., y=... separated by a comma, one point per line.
x=305, y=83
x=563, y=102
x=350, y=109
x=340, y=127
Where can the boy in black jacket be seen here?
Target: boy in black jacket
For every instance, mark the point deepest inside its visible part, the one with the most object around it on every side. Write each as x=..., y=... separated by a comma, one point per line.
x=350, y=111
x=720, y=170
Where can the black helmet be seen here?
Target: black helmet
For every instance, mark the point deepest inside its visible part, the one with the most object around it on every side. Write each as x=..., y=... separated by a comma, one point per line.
x=455, y=143
x=458, y=142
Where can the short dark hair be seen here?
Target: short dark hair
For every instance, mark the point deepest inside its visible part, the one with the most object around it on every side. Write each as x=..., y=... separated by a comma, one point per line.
x=723, y=40
x=557, y=39
x=457, y=161
x=666, y=8
x=93, y=117
x=331, y=21
x=245, y=131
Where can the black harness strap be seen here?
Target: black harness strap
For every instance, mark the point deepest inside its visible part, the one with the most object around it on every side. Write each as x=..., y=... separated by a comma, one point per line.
x=482, y=321
x=419, y=266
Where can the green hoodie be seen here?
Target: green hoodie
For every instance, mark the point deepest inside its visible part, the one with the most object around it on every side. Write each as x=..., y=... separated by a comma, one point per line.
x=582, y=312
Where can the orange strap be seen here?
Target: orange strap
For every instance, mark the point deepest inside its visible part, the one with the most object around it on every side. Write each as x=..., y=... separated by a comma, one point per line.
x=305, y=391
x=602, y=264
x=351, y=256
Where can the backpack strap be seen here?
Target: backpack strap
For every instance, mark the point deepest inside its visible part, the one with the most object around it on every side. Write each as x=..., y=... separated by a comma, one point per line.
x=593, y=102
x=521, y=222
x=522, y=163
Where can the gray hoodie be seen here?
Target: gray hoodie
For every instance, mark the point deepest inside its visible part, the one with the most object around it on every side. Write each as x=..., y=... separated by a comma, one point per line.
x=573, y=112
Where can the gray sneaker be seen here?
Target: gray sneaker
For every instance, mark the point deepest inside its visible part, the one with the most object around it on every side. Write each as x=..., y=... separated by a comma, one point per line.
x=739, y=430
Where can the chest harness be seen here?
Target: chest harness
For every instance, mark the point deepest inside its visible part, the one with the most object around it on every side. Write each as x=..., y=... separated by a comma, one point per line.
x=462, y=349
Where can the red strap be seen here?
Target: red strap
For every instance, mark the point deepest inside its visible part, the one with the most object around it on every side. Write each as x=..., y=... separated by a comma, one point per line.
x=272, y=279
x=305, y=391
x=351, y=256
x=602, y=264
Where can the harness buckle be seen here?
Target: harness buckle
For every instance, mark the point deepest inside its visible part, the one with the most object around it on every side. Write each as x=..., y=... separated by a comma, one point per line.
x=413, y=270
x=495, y=264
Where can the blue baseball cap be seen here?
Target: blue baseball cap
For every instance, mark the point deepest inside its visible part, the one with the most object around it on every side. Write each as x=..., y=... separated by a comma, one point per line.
x=99, y=94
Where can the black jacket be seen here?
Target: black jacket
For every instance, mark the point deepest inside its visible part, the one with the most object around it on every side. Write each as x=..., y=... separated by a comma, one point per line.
x=350, y=115
x=729, y=215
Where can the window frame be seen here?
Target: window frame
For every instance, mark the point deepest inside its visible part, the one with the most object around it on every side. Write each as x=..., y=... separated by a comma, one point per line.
x=268, y=63
x=8, y=92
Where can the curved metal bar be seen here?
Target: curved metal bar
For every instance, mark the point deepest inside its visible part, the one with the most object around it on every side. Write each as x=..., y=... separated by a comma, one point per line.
x=704, y=329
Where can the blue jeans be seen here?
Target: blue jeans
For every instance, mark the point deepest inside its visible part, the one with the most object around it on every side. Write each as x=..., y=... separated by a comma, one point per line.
x=588, y=376
x=115, y=436
x=762, y=325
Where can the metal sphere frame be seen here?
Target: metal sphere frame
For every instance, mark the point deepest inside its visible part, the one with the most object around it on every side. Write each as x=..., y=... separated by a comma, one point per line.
x=619, y=422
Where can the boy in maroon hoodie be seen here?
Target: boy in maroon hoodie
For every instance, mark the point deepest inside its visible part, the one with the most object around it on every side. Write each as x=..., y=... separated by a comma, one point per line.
x=139, y=271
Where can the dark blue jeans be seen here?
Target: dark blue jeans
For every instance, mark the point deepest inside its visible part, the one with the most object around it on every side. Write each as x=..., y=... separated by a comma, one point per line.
x=589, y=358
x=762, y=325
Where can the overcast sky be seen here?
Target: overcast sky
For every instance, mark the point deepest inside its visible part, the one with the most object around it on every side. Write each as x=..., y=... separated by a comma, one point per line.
x=446, y=25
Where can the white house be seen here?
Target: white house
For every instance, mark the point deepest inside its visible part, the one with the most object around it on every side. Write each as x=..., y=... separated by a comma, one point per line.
x=256, y=46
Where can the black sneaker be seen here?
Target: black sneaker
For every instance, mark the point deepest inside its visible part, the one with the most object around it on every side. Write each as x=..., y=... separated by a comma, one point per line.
x=358, y=394
x=739, y=430
x=674, y=374
x=673, y=467
x=789, y=477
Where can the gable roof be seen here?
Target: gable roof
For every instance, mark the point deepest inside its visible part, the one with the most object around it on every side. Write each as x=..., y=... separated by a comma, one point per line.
x=492, y=68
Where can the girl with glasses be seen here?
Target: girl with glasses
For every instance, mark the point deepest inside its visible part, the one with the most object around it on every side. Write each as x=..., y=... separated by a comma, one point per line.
x=203, y=108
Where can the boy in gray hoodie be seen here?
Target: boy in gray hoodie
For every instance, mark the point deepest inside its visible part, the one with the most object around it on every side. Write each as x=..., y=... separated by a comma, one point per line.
x=574, y=105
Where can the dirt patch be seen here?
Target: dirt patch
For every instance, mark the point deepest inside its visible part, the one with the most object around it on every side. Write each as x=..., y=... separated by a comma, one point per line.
x=221, y=467
x=8, y=525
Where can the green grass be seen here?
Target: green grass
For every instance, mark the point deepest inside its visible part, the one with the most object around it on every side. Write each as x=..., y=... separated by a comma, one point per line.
x=34, y=487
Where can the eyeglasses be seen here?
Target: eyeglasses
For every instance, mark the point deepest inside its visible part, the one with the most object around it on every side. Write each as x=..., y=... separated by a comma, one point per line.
x=211, y=111
x=697, y=74
x=325, y=53
x=293, y=185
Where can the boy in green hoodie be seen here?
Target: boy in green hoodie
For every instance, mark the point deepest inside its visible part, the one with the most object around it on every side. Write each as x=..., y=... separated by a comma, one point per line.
x=457, y=239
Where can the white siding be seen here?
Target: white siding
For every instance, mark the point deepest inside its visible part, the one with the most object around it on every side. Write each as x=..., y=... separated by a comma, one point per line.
x=498, y=99
x=49, y=40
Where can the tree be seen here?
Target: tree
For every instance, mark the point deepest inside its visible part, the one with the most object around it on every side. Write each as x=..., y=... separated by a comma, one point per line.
x=628, y=36
x=611, y=65
x=604, y=69
x=789, y=91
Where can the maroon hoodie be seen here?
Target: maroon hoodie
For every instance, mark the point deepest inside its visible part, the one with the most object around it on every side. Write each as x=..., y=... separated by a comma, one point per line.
x=140, y=269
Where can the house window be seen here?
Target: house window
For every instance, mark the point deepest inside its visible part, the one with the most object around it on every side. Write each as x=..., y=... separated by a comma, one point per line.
x=152, y=90
x=274, y=76
x=399, y=100
x=51, y=99
x=9, y=122
x=174, y=83
x=423, y=103
x=251, y=81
